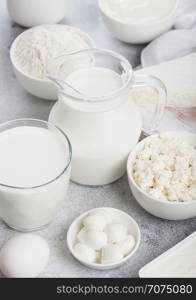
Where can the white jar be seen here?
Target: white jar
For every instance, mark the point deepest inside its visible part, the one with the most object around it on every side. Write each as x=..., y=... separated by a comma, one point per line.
x=96, y=111
x=30, y=13
x=34, y=175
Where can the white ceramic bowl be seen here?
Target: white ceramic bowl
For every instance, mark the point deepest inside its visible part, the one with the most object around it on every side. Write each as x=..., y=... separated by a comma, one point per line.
x=42, y=88
x=137, y=33
x=36, y=12
x=165, y=210
x=118, y=215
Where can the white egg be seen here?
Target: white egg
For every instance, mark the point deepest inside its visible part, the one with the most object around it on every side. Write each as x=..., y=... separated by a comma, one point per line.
x=116, y=232
x=127, y=245
x=111, y=254
x=97, y=220
x=92, y=238
x=85, y=253
x=25, y=255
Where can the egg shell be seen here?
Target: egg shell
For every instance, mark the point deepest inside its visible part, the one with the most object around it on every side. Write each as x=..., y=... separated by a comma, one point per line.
x=92, y=238
x=116, y=232
x=25, y=255
x=127, y=245
x=97, y=220
x=111, y=254
x=84, y=252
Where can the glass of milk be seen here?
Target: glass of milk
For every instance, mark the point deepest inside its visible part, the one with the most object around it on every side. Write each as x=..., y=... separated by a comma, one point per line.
x=35, y=164
x=95, y=108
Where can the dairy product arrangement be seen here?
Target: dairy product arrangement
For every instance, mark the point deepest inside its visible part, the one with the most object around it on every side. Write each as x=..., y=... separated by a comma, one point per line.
x=99, y=128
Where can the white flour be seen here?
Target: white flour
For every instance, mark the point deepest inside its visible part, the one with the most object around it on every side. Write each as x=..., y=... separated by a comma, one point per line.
x=38, y=44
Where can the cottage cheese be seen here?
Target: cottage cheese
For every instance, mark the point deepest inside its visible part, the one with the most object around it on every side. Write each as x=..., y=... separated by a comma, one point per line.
x=166, y=169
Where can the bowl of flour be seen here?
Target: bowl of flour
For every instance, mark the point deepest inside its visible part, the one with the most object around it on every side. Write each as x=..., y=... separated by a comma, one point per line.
x=31, y=50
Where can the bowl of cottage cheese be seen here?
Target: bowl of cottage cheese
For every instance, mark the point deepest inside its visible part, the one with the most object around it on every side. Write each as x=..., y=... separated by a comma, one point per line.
x=162, y=174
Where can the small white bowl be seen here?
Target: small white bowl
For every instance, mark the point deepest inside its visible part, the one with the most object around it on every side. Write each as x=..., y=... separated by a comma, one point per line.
x=37, y=12
x=138, y=33
x=165, y=210
x=118, y=215
x=41, y=88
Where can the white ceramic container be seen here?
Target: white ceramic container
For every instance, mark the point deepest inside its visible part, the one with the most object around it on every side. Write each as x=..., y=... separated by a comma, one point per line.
x=30, y=13
x=117, y=215
x=42, y=88
x=165, y=210
x=137, y=33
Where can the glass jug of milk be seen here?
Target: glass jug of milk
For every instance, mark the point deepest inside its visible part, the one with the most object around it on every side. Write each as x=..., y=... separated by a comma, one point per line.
x=96, y=111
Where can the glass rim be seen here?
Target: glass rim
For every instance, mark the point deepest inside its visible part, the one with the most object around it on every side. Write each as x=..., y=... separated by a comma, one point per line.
x=56, y=128
x=95, y=99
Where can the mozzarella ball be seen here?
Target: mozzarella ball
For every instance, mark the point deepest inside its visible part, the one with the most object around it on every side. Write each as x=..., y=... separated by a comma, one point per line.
x=111, y=254
x=116, y=232
x=85, y=253
x=97, y=220
x=92, y=238
x=25, y=255
x=127, y=245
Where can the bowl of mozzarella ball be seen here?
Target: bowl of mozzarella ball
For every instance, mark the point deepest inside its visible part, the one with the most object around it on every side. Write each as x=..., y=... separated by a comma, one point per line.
x=103, y=238
x=162, y=174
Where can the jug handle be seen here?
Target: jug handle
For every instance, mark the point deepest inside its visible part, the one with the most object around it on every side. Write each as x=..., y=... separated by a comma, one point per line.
x=143, y=81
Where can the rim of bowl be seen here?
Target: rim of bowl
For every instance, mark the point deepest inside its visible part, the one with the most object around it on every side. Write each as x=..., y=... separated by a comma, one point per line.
x=96, y=265
x=56, y=177
x=173, y=11
x=130, y=167
x=86, y=36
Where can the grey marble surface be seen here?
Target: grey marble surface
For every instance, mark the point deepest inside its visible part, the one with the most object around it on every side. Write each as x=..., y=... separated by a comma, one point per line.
x=157, y=235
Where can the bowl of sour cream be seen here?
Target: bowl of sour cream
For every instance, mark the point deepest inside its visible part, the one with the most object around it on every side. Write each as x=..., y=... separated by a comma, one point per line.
x=138, y=21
